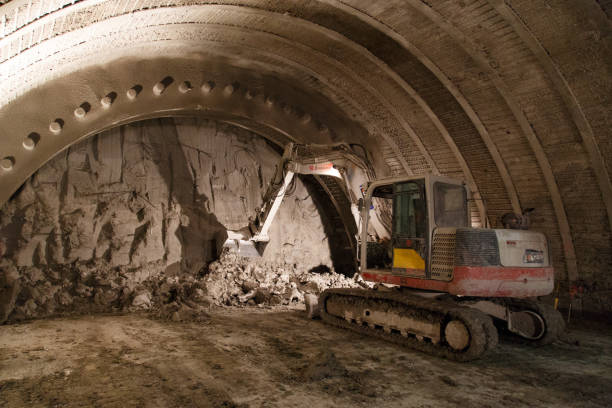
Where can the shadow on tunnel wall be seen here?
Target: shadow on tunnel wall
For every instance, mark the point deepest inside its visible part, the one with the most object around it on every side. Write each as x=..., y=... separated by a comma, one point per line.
x=200, y=234
x=342, y=246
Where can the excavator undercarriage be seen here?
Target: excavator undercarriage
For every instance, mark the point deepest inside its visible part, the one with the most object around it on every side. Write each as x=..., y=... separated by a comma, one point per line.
x=460, y=329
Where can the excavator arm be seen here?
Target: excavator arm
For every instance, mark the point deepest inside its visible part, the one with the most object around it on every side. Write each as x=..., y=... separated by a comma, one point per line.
x=319, y=160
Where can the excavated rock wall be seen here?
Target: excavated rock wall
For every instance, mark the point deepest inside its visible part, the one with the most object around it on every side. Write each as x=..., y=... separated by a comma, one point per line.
x=140, y=203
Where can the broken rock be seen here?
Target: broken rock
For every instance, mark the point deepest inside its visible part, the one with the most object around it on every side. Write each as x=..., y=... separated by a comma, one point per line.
x=142, y=301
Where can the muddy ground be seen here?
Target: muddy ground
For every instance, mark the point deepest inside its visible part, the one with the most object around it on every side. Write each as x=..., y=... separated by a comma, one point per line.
x=275, y=357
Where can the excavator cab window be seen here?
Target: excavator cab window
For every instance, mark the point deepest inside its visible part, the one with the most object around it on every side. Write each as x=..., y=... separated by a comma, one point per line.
x=450, y=205
x=409, y=210
x=409, y=228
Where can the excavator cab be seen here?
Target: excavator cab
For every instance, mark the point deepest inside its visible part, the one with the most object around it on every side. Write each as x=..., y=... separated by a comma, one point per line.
x=431, y=246
x=418, y=206
x=409, y=229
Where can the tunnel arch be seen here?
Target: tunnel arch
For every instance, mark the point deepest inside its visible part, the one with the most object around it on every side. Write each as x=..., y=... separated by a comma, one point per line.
x=513, y=121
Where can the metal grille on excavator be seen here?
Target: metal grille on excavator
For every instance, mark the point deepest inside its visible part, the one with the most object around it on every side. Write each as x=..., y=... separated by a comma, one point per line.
x=443, y=254
x=476, y=247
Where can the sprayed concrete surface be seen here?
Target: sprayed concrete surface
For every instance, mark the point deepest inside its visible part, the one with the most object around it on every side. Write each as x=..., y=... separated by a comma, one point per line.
x=261, y=357
x=113, y=216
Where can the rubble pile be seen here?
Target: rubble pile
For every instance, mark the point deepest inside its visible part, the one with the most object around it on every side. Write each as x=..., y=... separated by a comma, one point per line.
x=167, y=294
x=79, y=288
x=233, y=280
x=236, y=281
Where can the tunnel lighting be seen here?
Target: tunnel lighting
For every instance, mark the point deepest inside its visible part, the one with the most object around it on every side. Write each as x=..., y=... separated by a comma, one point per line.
x=158, y=89
x=131, y=94
x=184, y=87
x=29, y=143
x=207, y=87
x=228, y=90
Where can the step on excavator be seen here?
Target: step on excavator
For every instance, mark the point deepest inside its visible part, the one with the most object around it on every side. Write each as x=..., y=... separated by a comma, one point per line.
x=444, y=287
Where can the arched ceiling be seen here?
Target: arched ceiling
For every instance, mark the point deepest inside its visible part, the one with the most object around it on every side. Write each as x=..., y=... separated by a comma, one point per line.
x=512, y=96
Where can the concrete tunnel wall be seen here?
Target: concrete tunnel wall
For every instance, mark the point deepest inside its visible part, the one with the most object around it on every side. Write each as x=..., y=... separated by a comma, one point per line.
x=512, y=96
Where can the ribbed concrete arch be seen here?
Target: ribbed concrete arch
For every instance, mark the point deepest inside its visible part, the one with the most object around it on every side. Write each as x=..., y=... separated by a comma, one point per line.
x=408, y=130
x=489, y=65
x=468, y=89
x=484, y=134
x=562, y=86
x=526, y=98
x=430, y=35
x=416, y=140
x=406, y=125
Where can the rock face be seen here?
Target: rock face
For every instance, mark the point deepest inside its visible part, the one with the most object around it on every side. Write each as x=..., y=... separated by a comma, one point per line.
x=140, y=202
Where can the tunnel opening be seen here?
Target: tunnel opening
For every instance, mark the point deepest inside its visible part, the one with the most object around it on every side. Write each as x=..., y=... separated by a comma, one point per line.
x=135, y=218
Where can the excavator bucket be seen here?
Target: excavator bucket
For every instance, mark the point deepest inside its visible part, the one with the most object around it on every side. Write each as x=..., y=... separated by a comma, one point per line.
x=243, y=247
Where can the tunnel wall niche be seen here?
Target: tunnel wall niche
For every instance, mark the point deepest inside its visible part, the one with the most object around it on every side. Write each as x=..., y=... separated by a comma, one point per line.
x=140, y=203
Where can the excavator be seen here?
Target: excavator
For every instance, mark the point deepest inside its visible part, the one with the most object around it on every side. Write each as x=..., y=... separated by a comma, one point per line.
x=443, y=287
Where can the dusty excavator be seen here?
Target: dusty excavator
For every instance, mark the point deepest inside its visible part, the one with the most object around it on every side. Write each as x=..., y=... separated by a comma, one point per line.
x=444, y=287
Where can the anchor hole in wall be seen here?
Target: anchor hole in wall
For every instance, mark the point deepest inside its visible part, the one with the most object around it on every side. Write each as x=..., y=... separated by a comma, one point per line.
x=86, y=106
x=208, y=86
x=31, y=141
x=167, y=81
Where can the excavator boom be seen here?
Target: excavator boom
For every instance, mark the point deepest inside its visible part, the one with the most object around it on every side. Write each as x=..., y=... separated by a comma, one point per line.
x=301, y=159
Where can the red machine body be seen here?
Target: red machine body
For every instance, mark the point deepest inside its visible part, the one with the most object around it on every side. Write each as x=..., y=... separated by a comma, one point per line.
x=490, y=281
x=433, y=248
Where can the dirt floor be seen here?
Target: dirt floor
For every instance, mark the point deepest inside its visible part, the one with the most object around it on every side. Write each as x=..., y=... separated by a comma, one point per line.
x=255, y=357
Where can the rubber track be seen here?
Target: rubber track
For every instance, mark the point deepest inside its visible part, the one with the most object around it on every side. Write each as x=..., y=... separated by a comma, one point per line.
x=483, y=334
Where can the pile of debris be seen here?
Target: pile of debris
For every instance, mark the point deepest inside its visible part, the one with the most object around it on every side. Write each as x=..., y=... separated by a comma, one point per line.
x=236, y=281
x=167, y=293
x=233, y=280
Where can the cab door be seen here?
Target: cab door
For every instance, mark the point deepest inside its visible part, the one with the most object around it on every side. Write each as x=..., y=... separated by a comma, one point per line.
x=409, y=231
